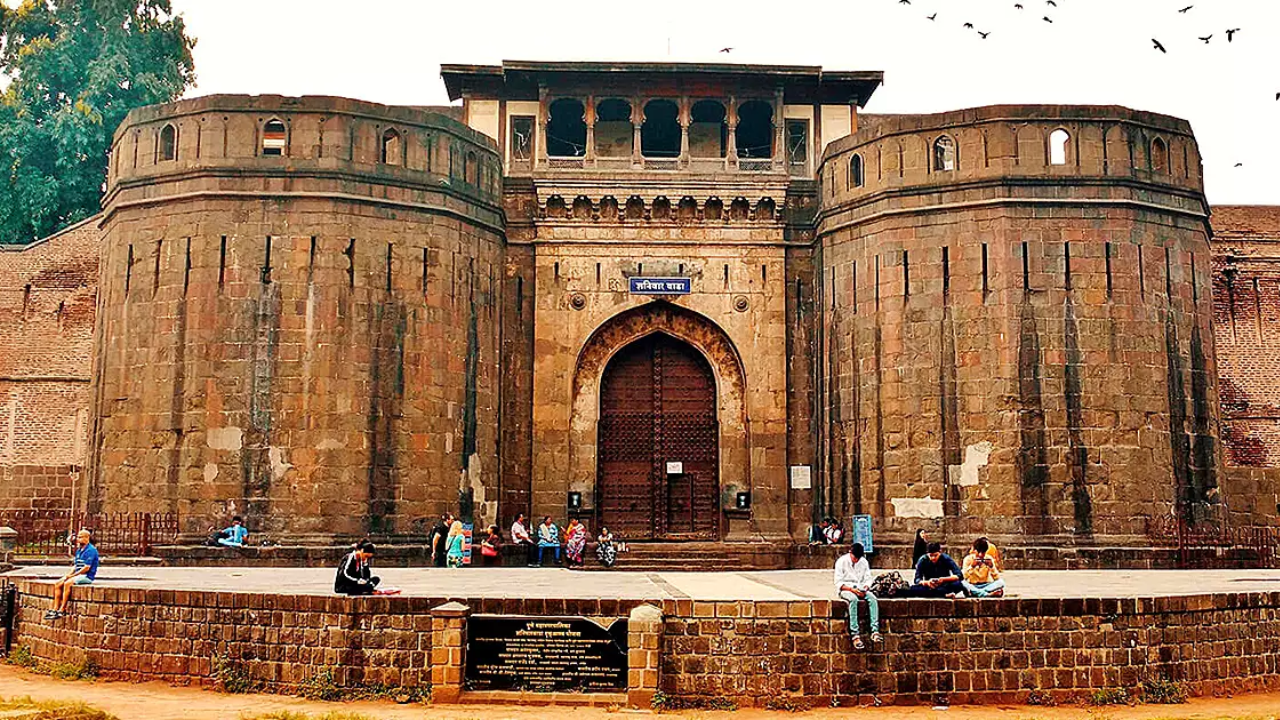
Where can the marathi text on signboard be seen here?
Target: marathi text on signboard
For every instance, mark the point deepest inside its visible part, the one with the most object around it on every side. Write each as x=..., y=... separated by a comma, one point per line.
x=545, y=654
x=661, y=286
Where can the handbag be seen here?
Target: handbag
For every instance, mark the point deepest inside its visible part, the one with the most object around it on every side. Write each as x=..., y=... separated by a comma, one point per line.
x=488, y=550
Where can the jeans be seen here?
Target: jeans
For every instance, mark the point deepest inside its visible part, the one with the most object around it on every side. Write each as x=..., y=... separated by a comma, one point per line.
x=983, y=589
x=943, y=590
x=873, y=611
x=543, y=547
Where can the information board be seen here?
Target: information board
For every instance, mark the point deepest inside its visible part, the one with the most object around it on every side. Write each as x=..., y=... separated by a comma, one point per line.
x=545, y=654
x=862, y=532
x=660, y=286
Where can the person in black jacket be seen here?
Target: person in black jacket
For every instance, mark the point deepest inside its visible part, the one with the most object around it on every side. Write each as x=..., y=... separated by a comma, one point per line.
x=437, y=540
x=354, y=576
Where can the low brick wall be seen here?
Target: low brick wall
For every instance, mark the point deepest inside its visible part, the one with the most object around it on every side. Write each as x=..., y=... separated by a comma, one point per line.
x=954, y=651
x=972, y=651
x=35, y=487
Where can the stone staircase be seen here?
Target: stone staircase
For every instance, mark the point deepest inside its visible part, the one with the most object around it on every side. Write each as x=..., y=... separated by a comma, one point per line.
x=693, y=556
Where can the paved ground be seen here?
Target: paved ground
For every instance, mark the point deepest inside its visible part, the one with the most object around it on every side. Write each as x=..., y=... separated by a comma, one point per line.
x=555, y=582
x=156, y=701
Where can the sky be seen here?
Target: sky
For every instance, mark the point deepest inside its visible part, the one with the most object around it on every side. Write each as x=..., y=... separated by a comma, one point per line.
x=1094, y=52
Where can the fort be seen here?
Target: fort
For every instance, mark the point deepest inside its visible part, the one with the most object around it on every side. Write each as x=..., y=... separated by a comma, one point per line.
x=704, y=305
x=692, y=303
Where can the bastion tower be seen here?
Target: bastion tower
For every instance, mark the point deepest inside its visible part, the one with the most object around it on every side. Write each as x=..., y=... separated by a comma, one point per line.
x=1016, y=317
x=299, y=315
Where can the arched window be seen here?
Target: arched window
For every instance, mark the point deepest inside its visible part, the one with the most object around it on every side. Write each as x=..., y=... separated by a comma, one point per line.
x=614, y=133
x=944, y=154
x=1159, y=156
x=856, y=177
x=274, y=136
x=471, y=169
x=392, y=147
x=708, y=132
x=755, y=130
x=567, y=129
x=660, y=133
x=1058, y=140
x=168, y=143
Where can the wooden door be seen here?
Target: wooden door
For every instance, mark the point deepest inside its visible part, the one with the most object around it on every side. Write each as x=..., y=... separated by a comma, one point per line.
x=658, y=406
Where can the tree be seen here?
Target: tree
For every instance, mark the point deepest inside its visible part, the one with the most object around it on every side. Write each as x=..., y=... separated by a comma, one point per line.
x=75, y=69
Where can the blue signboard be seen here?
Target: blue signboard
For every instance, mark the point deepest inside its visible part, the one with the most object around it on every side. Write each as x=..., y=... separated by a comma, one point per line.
x=862, y=532
x=661, y=286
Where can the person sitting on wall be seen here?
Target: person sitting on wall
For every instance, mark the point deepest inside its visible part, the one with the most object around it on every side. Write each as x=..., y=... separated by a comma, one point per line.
x=818, y=533
x=354, y=573
x=491, y=547
x=993, y=552
x=520, y=536
x=438, y=540
x=853, y=583
x=84, y=571
x=937, y=575
x=606, y=548
x=835, y=533
x=982, y=572
x=235, y=535
x=548, y=537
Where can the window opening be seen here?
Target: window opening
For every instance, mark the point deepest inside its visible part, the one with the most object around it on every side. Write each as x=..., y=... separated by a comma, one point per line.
x=1159, y=156
x=471, y=169
x=350, y=252
x=392, y=147
x=273, y=137
x=1058, y=140
x=1066, y=265
x=614, y=132
x=856, y=178
x=390, y=248
x=522, y=138
x=128, y=274
x=906, y=275
x=755, y=130
x=660, y=132
x=266, y=264
x=155, y=279
x=944, y=154
x=946, y=272
x=311, y=260
x=186, y=269
x=708, y=131
x=567, y=129
x=1142, y=273
x=1026, y=268
x=797, y=145
x=169, y=143
x=1109, y=281
x=222, y=262
x=986, y=283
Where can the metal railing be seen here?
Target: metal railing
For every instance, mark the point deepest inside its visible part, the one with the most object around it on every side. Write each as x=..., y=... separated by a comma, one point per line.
x=50, y=532
x=1199, y=544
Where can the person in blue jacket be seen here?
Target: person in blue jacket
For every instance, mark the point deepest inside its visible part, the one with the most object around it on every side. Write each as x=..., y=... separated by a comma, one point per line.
x=937, y=575
x=235, y=535
x=83, y=572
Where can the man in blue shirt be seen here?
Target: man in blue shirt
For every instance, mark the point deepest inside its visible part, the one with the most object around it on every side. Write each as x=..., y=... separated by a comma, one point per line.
x=937, y=575
x=82, y=573
x=235, y=535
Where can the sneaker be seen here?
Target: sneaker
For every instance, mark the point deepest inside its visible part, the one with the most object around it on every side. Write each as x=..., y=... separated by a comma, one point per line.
x=50, y=614
x=857, y=643
x=876, y=637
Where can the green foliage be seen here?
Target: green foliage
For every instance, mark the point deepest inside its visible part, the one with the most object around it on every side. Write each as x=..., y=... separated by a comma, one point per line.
x=230, y=676
x=1109, y=696
x=1162, y=691
x=1041, y=697
x=75, y=69
x=321, y=686
x=661, y=702
x=787, y=703
x=22, y=657
x=51, y=709
x=86, y=669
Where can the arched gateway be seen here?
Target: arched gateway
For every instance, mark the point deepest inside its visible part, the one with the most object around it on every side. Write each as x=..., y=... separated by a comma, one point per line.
x=659, y=442
x=659, y=432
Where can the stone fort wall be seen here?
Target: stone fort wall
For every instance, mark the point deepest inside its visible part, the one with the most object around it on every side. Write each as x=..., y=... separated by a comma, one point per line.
x=1012, y=343
x=299, y=316
x=48, y=293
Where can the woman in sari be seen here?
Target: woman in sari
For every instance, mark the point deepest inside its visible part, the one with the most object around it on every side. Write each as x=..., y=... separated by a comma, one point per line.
x=606, y=550
x=575, y=541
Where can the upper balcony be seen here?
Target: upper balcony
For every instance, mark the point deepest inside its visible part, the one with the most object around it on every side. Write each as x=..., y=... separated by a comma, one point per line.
x=632, y=118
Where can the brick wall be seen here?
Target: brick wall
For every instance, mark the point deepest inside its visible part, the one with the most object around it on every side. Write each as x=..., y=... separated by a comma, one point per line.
x=48, y=293
x=958, y=651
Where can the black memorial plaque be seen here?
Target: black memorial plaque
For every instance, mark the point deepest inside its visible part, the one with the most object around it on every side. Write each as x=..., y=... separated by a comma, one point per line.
x=545, y=654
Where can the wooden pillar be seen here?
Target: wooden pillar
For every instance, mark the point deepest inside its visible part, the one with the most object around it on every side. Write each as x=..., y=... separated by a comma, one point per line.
x=732, y=119
x=589, y=112
x=540, y=152
x=637, y=119
x=684, y=132
x=779, y=133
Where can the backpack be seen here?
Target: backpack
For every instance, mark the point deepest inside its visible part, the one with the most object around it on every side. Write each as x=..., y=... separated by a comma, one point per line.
x=889, y=585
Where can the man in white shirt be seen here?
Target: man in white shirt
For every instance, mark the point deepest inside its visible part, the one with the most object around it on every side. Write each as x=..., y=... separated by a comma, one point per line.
x=853, y=583
x=520, y=536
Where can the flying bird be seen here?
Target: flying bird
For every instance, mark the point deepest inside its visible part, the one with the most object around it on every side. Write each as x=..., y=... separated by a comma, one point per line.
x=1239, y=164
x=968, y=26
x=1185, y=9
x=1206, y=38
x=1017, y=6
x=726, y=50
x=1159, y=46
x=1231, y=34
x=904, y=2
x=1047, y=19
x=1278, y=97
x=933, y=16
x=1050, y=2
x=983, y=34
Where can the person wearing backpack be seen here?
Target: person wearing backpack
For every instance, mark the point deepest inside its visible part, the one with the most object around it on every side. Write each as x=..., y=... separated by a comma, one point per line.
x=853, y=584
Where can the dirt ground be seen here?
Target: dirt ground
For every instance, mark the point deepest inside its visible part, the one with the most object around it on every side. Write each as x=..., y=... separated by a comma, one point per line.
x=156, y=701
